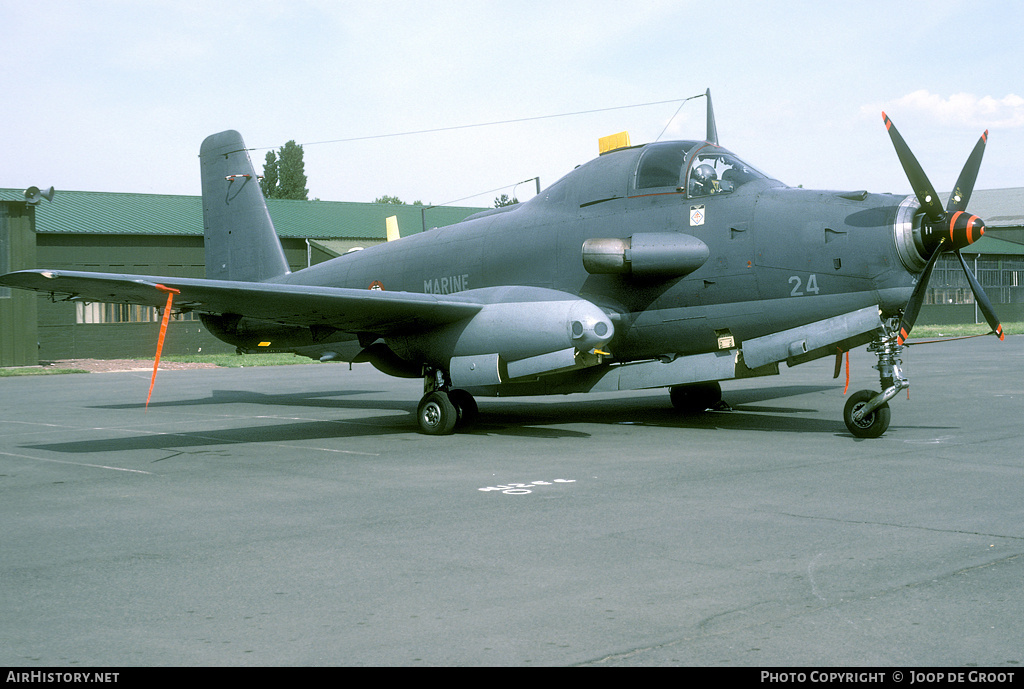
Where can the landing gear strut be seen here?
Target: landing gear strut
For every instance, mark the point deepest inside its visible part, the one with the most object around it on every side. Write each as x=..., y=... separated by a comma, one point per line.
x=867, y=413
x=443, y=411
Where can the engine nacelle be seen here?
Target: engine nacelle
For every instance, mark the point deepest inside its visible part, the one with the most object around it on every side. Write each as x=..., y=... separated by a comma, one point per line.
x=646, y=254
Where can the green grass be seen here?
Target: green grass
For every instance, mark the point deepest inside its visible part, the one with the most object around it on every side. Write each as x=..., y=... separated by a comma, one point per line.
x=241, y=360
x=221, y=360
x=36, y=371
x=962, y=330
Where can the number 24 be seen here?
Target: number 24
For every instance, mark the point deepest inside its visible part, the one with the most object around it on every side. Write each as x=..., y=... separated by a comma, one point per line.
x=812, y=285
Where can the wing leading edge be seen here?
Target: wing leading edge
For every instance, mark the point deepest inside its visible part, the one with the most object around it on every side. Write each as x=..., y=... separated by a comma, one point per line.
x=346, y=309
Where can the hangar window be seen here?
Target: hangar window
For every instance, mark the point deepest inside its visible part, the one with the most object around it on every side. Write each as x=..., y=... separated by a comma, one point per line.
x=98, y=312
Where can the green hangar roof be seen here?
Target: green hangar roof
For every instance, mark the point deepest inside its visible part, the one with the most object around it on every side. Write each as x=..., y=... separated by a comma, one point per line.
x=93, y=212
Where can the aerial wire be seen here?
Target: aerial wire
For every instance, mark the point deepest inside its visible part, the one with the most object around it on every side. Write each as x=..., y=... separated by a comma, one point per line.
x=681, y=101
x=676, y=114
x=435, y=130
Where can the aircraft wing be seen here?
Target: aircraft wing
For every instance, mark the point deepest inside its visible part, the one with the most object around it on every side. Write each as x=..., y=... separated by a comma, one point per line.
x=350, y=310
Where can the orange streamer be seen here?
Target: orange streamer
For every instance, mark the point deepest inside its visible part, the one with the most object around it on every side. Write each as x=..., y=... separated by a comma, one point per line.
x=163, y=332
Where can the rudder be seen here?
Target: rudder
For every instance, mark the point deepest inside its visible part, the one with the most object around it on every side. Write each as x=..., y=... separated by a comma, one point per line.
x=239, y=237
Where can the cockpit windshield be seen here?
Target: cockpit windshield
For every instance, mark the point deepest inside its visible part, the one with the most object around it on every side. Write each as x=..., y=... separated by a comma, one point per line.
x=714, y=172
x=698, y=168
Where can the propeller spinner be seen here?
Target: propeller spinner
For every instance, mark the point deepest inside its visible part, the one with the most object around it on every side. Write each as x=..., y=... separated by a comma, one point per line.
x=944, y=229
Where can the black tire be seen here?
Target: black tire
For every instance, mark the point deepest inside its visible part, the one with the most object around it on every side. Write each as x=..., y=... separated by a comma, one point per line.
x=466, y=409
x=871, y=426
x=696, y=397
x=436, y=415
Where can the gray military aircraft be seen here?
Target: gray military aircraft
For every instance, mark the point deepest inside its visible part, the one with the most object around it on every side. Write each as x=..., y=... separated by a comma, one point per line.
x=671, y=264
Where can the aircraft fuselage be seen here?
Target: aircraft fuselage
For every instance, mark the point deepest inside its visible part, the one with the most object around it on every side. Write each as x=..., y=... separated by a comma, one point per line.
x=778, y=257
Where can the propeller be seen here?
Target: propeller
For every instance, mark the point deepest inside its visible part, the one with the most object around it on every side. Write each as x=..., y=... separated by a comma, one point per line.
x=943, y=229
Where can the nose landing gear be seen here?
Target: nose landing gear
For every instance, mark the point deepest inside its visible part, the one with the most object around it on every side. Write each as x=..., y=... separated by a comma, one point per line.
x=867, y=412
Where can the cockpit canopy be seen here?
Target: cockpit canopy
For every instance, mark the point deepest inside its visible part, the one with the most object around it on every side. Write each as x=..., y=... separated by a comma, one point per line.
x=698, y=168
x=689, y=168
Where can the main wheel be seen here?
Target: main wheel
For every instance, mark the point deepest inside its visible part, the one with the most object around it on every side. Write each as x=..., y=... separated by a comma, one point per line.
x=696, y=397
x=436, y=414
x=872, y=425
x=465, y=407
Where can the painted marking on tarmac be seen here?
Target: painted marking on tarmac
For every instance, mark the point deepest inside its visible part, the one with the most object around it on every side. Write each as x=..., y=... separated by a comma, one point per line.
x=932, y=441
x=77, y=464
x=523, y=488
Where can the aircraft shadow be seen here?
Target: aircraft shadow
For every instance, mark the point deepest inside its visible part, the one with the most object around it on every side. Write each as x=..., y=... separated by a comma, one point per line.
x=504, y=417
x=298, y=399
x=268, y=432
x=510, y=418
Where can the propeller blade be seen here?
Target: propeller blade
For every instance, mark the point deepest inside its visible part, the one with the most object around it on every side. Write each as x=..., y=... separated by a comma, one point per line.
x=913, y=306
x=965, y=183
x=923, y=188
x=946, y=230
x=982, y=299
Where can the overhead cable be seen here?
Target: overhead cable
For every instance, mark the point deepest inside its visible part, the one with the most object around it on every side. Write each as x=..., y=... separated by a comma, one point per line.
x=487, y=124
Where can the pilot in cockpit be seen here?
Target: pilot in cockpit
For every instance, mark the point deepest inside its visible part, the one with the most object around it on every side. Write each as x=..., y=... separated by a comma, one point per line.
x=703, y=180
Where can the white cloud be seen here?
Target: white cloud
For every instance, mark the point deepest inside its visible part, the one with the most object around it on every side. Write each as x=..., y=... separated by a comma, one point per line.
x=960, y=109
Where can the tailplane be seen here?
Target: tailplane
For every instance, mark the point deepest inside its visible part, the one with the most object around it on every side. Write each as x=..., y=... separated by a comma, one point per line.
x=239, y=237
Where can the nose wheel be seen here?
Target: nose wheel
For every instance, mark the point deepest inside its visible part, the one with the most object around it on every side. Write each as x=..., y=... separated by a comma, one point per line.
x=867, y=412
x=869, y=425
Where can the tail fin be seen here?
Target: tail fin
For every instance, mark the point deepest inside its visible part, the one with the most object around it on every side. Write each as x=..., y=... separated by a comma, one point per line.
x=239, y=237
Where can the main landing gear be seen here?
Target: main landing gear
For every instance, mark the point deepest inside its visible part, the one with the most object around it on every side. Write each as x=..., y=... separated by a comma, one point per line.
x=443, y=411
x=867, y=412
x=695, y=398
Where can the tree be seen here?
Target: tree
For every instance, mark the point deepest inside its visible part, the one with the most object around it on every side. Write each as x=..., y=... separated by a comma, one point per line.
x=504, y=200
x=284, y=175
x=269, y=182
x=293, y=172
x=395, y=200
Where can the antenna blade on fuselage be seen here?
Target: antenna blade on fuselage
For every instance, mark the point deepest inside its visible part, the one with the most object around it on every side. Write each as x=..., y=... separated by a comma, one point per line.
x=712, y=129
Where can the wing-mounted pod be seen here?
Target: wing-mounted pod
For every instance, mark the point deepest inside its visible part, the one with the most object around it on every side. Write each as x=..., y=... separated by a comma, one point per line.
x=524, y=331
x=646, y=255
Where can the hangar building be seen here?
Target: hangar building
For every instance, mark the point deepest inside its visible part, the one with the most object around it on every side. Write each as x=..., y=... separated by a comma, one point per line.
x=153, y=235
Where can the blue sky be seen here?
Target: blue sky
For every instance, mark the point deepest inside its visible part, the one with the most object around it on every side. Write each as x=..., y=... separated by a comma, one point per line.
x=118, y=96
